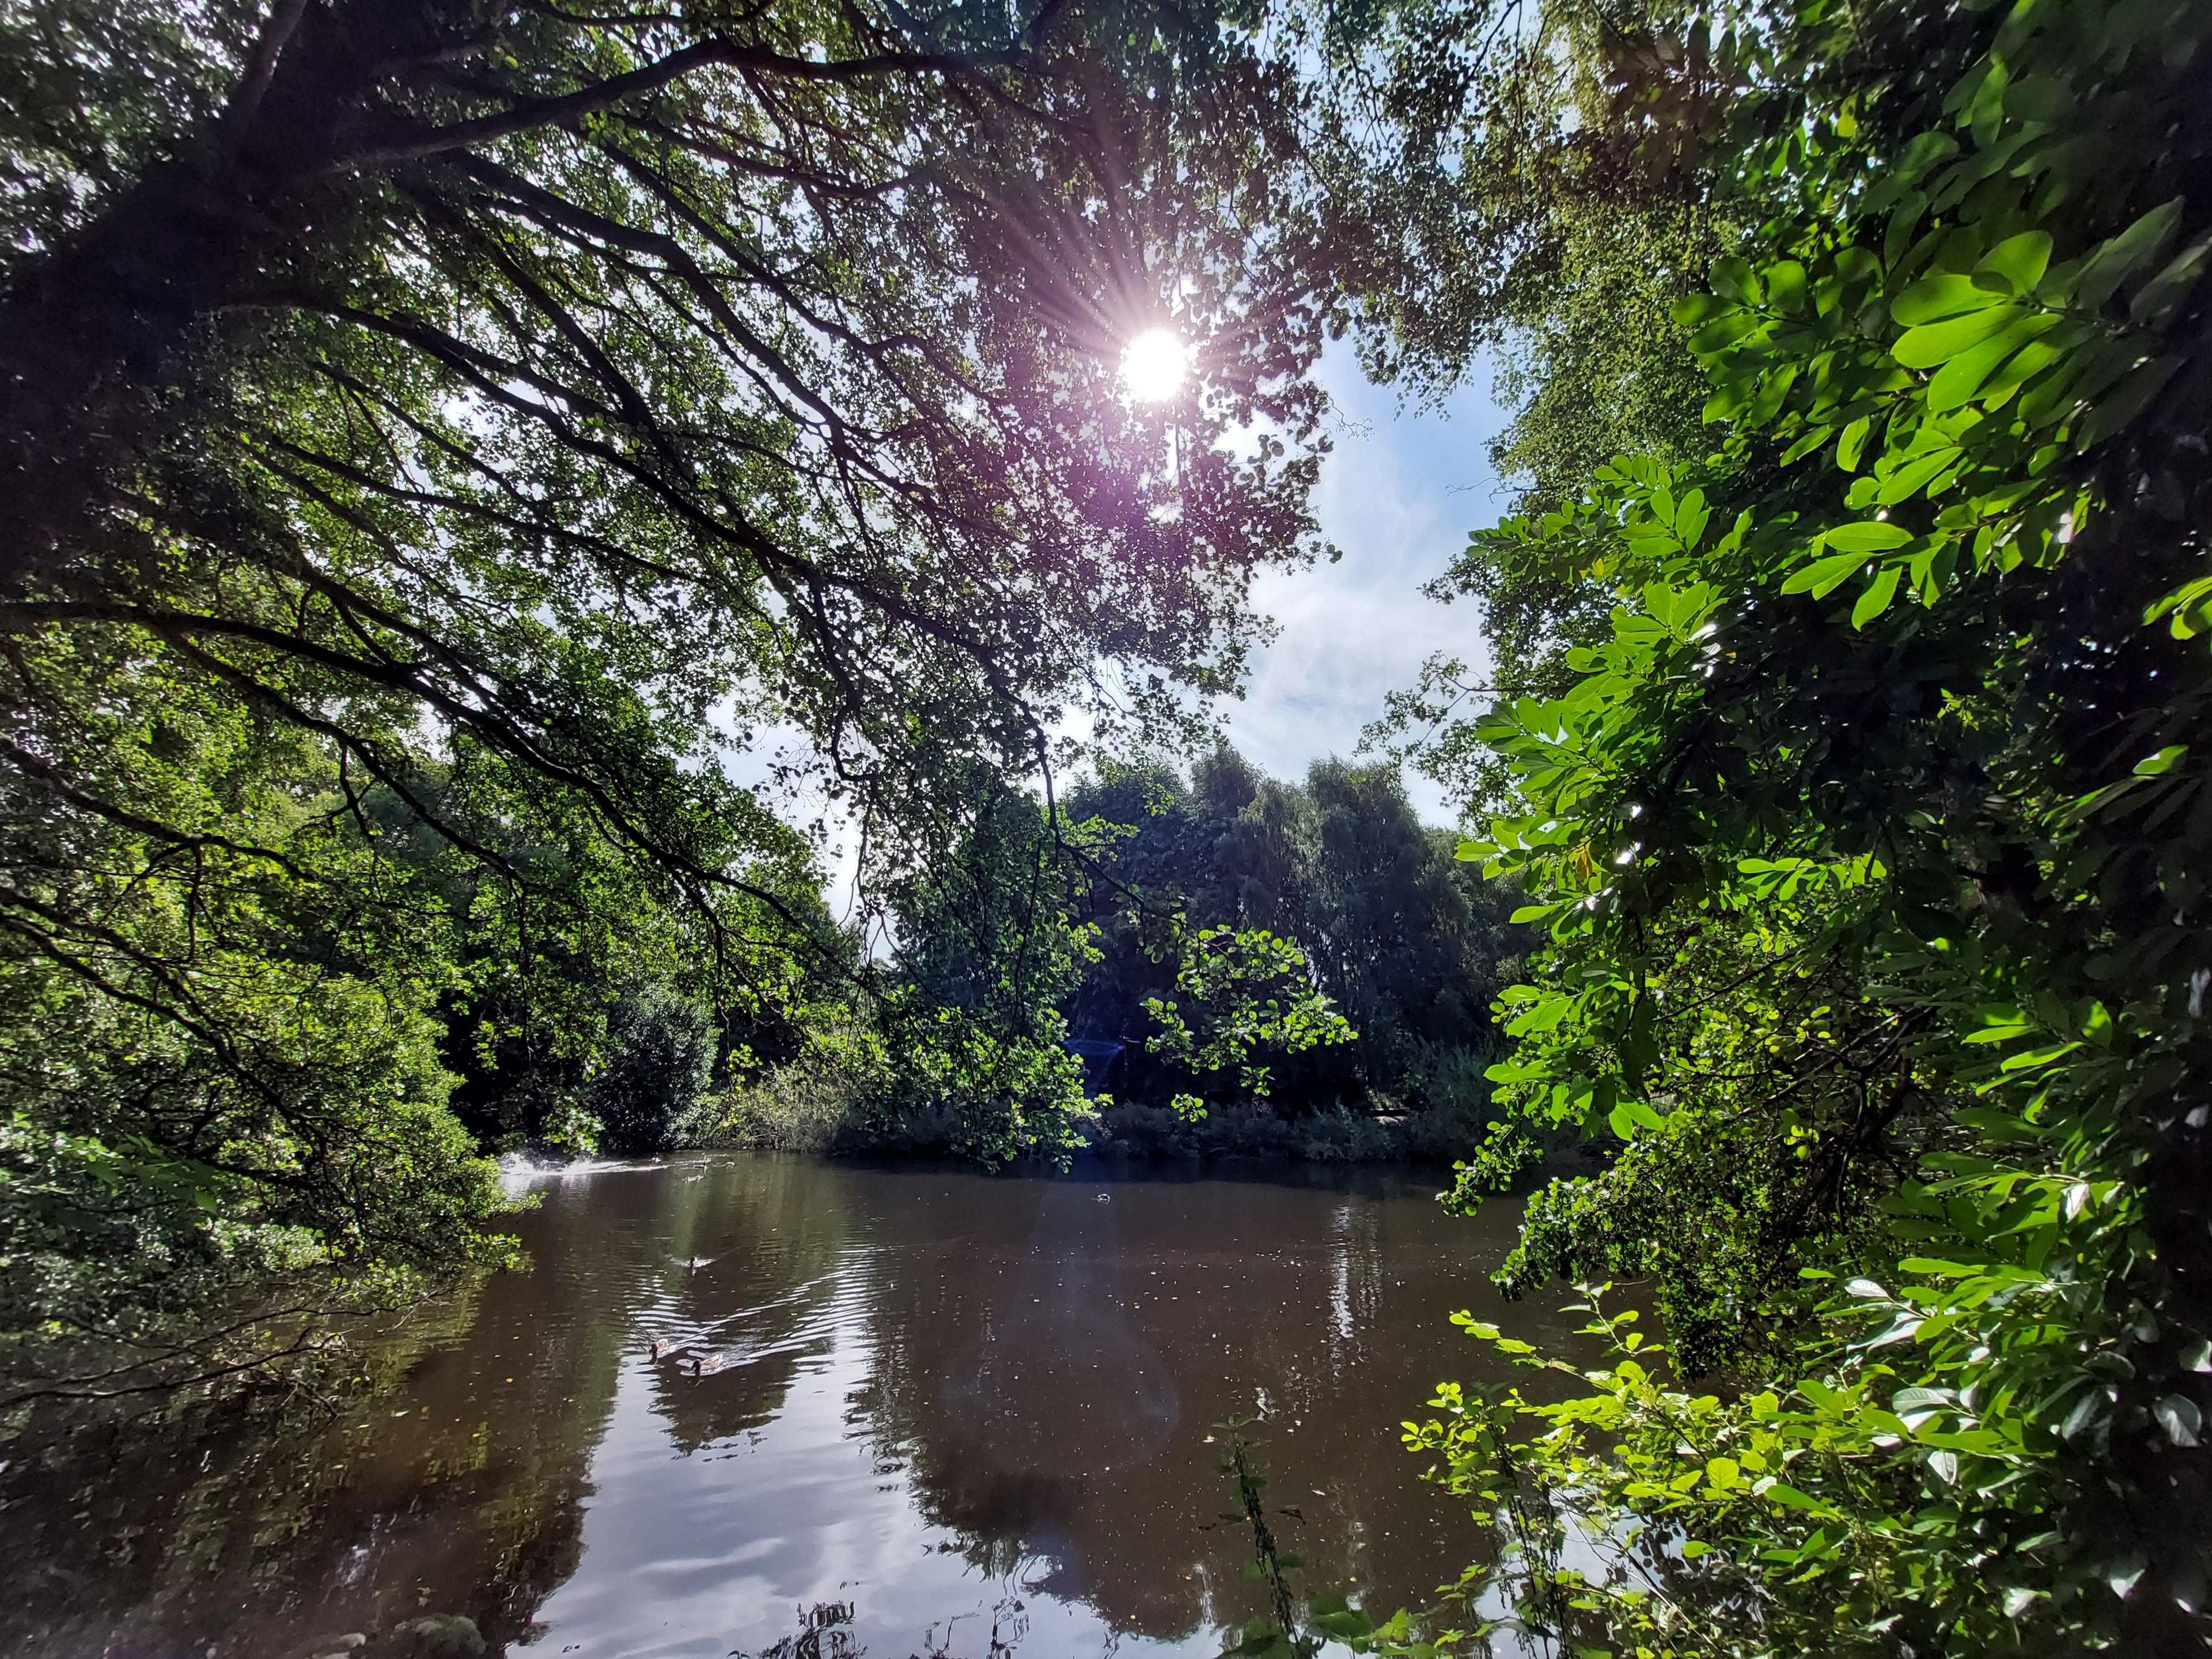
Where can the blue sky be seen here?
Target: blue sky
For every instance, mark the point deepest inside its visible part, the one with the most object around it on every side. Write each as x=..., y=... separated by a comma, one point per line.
x=1399, y=493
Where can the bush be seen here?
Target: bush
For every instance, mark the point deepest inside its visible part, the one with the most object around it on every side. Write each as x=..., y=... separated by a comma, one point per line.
x=663, y=1055
x=804, y=1107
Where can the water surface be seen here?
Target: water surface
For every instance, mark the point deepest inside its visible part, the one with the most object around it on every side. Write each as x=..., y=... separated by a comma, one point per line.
x=936, y=1413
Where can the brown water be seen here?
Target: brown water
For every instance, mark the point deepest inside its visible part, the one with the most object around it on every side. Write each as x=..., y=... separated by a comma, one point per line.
x=942, y=1414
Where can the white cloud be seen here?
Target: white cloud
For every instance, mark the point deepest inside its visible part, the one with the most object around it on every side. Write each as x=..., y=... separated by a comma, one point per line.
x=1398, y=495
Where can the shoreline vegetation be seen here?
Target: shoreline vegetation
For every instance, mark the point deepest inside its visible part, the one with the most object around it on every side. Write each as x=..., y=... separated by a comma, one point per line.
x=804, y=1115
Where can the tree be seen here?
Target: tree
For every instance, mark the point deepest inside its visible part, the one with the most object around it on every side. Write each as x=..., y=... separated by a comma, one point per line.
x=662, y=1062
x=1566, y=206
x=1867, y=840
x=988, y=947
x=481, y=422
x=1399, y=943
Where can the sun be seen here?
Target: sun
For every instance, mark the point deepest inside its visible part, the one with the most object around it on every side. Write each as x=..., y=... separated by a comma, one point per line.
x=1154, y=365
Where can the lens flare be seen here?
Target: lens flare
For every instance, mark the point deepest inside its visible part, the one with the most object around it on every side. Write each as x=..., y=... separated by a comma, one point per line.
x=1154, y=365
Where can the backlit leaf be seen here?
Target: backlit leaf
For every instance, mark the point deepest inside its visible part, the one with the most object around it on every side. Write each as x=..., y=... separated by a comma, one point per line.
x=1878, y=594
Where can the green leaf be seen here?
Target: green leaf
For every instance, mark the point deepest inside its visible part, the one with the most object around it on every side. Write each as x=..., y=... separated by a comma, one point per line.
x=1791, y=1498
x=1690, y=516
x=1785, y=286
x=1871, y=536
x=1807, y=444
x=2157, y=300
x=2186, y=605
x=1823, y=576
x=1944, y=295
x=2041, y=98
x=1938, y=343
x=2019, y=260
x=1852, y=444
x=1733, y=279
x=1908, y=480
x=1547, y=1014
x=2030, y=361
x=1925, y=151
x=2037, y=1057
x=1722, y=331
x=1876, y=598
x=1961, y=380
x=2114, y=261
x=2128, y=400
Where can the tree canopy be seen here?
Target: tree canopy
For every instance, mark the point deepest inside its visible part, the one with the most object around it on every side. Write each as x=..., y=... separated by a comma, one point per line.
x=442, y=444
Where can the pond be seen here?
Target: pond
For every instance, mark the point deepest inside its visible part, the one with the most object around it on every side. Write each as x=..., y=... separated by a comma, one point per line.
x=896, y=1411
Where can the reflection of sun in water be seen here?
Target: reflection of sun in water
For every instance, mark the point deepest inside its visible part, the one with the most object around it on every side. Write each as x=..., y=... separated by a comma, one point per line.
x=1153, y=364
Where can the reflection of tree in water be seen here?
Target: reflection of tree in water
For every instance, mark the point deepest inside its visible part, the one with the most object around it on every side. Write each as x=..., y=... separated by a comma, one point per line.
x=156, y=1527
x=1006, y=1372
x=1010, y=1623
x=454, y=1482
x=1048, y=1367
x=826, y=1631
x=1045, y=1367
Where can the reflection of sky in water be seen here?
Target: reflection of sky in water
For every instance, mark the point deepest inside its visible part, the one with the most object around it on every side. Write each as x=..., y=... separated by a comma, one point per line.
x=941, y=1414
x=795, y=1515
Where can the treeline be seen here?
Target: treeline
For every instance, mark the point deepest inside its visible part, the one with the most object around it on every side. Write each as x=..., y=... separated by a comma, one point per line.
x=1408, y=945
x=1240, y=964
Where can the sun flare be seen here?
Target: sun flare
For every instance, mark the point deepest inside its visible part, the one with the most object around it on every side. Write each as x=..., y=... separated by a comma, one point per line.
x=1154, y=365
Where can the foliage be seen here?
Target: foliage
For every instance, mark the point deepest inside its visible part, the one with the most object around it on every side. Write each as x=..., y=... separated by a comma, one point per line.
x=439, y=441
x=993, y=950
x=1483, y=158
x=1252, y=992
x=1235, y=871
x=814, y=1102
x=1598, y=366
x=988, y=947
x=216, y=1066
x=1533, y=175
x=664, y=1060
x=1869, y=839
